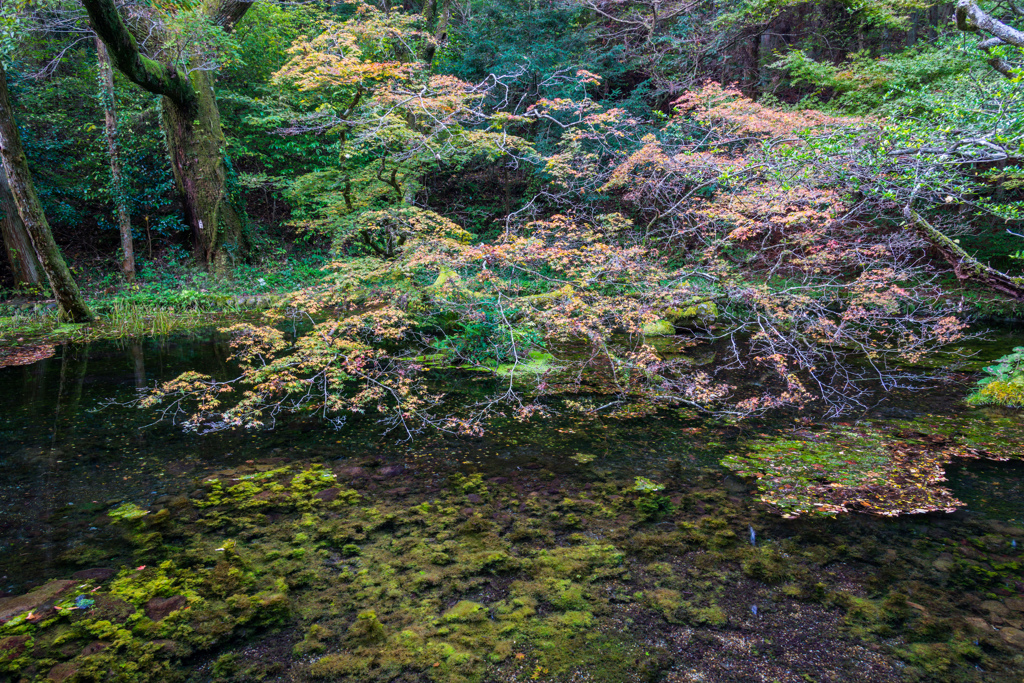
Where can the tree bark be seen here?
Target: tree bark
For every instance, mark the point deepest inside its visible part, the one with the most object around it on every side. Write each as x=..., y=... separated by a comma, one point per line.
x=430, y=46
x=971, y=18
x=12, y=156
x=195, y=139
x=196, y=144
x=20, y=253
x=124, y=222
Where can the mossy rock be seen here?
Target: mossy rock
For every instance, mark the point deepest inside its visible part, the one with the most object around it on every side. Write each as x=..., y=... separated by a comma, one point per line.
x=658, y=328
x=466, y=611
x=701, y=313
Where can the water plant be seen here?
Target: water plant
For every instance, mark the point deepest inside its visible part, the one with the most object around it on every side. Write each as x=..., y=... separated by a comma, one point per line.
x=274, y=570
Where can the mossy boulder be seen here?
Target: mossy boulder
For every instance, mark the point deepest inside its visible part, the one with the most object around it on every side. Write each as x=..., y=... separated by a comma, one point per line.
x=696, y=313
x=658, y=328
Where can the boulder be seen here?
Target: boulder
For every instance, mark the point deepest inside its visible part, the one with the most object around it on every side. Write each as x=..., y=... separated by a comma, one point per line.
x=698, y=313
x=658, y=328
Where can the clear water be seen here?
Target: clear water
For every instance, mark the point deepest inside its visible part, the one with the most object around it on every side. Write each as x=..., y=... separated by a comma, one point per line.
x=67, y=455
x=69, y=451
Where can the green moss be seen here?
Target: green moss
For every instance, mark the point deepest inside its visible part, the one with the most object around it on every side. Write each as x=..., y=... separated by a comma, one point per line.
x=465, y=611
x=127, y=511
x=666, y=601
x=658, y=328
x=313, y=641
x=367, y=629
x=707, y=616
x=408, y=589
x=768, y=565
x=650, y=506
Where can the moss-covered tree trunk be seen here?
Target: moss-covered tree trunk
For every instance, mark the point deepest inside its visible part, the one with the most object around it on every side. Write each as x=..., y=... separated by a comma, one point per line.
x=965, y=266
x=24, y=264
x=12, y=156
x=124, y=222
x=195, y=139
x=199, y=159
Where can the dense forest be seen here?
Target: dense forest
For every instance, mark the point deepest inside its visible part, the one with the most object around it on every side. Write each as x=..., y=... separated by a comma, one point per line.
x=791, y=232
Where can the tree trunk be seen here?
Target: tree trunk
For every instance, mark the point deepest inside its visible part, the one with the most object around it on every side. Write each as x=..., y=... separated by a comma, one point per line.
x=198, y=158
x=430, y=46
x=192, y=127
x=124, y=223
x=441, y=30
x=22, y=256
x=12, y=155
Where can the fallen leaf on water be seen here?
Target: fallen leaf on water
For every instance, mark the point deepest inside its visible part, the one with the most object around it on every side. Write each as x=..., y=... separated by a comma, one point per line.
x=25, y=355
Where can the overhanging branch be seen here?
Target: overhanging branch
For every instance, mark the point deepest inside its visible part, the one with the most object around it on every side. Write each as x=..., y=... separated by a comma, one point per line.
x=149, y=74
x=964, y=265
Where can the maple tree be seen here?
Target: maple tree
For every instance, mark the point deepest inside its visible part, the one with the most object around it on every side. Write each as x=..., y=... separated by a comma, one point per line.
x=570, y=294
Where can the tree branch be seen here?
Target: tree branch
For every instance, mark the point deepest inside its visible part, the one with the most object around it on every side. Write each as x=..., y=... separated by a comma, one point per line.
x=150, y=75
x=971, y=18
x=964, y=265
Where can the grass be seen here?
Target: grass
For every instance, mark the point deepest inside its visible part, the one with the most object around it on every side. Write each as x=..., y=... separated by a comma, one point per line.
x=124, y=320
x=171, y=295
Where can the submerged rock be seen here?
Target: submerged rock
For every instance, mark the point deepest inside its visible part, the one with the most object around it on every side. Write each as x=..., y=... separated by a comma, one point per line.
x=95, y=647
x=1013, y=637
x=16, y=606
x=63, y=671
x=351, y=472
x=158, y=608
x=327, y=495
x=12, y=647
x=94, y=574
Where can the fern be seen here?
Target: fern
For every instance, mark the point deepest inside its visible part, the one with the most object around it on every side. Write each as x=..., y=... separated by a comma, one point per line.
x=1004, y=384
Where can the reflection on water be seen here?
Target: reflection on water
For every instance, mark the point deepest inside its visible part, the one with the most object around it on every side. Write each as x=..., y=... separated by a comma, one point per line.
x=553, y=544
x=64, y=458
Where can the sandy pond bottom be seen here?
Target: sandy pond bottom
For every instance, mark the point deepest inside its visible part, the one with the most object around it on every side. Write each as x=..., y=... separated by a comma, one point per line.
x=534, y=554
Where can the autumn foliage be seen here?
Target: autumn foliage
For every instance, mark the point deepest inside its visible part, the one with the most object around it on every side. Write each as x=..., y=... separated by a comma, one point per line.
x=698, y=229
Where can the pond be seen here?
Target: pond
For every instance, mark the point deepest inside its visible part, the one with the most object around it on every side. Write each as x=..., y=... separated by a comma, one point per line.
x=564, y=549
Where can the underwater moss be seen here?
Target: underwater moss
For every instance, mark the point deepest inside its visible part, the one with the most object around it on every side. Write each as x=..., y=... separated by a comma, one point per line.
x=428, y=584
